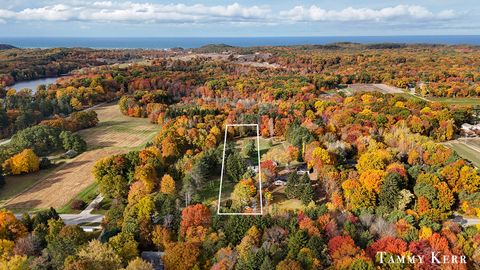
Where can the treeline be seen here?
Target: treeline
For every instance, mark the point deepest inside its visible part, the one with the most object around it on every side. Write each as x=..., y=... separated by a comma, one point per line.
x=29, y=64
x=27, y=145
x=21, y=153
x=444, y=71
x=22, y=109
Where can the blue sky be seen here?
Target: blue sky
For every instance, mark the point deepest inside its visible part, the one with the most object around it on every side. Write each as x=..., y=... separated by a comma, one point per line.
x=202, y=18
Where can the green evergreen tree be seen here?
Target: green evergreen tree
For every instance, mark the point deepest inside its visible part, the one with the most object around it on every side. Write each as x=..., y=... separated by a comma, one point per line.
x=390, y=191
x=305, y=189
x=250, y=150
x=292, y=186
x=267, y=264
x=297, y=241
x=235, y=167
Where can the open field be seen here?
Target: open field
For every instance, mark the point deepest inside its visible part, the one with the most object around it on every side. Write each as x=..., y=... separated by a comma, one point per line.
x=118, y=130
x=456, y=101
x=18, y=183
x=87, y=195
x=386, y=89
x=114, y=134
x=467, y=148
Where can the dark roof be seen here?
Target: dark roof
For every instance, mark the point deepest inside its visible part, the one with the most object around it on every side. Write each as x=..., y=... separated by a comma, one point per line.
x=153, y=257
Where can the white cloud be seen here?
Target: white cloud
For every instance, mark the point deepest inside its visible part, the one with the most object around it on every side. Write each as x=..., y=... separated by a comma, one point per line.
x=400, y=12
x=49, y=13
x=6, y=14
x=102, y=11
x=138, y=12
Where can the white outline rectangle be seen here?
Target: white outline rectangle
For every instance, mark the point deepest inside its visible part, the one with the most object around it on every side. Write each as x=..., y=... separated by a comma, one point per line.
x=259, y=172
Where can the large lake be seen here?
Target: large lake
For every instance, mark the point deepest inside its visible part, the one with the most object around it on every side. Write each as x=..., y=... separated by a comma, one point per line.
x=195, y=42
x=32, y=84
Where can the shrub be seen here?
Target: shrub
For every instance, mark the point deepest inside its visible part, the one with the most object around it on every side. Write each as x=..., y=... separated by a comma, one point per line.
x=72, y=141
x=45, y=163
x=78, y=204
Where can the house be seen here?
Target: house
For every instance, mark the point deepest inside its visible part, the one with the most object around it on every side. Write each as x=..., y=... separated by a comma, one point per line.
x=253, y=168
x=469, y=130
x=153, y=257
x=303, y=169
x=280, y=182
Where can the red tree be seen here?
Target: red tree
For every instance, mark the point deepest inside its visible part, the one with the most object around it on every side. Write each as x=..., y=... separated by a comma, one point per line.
x=195, y=215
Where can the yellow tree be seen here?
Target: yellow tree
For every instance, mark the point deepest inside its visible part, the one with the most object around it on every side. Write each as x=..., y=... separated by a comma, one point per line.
x=318, y=158
x=161, y=237
x=10, y=227
x=23, y=162
x=243, y=193
x=372, y=179
x=167, y=185
x=278, y=154
x=374, y=160
x=76, y=104
x=6, y=248
x=147, y=175
x=362, y=198
x=249, y=241
x=469, y=179
x=145, y=207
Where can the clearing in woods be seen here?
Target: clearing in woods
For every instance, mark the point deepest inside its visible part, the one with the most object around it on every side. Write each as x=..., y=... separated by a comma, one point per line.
x=368, y=87
x=114, y=134
x=467, y=148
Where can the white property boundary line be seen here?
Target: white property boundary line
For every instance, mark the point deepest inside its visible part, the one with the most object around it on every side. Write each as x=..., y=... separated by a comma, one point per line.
x=259, y=172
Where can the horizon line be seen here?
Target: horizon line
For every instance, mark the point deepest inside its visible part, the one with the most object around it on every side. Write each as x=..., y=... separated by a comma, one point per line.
x=293, y=36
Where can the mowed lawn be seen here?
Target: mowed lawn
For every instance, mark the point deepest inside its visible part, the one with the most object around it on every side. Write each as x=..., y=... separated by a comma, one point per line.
x=468, y=149
x=18, y=183
x=115, y=134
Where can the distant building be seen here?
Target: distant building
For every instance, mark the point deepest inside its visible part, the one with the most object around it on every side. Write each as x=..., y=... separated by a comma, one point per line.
x=469, y=130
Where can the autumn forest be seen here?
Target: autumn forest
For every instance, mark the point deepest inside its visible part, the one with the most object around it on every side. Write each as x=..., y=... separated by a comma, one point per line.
x=356, y=168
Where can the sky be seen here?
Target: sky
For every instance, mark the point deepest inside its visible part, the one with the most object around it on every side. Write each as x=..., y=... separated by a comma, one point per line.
x=213, y=18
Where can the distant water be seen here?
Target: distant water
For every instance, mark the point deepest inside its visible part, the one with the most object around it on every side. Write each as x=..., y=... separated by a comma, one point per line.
x=195, y=42
x=33, y=84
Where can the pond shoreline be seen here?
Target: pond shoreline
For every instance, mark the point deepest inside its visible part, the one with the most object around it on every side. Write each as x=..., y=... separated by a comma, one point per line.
x=33, y=84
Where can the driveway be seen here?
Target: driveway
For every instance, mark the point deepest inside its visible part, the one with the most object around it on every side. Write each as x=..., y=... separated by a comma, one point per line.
x=465, y=221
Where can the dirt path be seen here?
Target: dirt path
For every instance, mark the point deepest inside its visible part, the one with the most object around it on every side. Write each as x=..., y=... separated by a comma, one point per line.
x=114, y=134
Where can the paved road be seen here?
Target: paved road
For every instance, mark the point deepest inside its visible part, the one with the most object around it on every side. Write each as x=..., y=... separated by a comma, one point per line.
x=88, y=210
x=465, y=221
x=75, y=219
x=85, y=216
